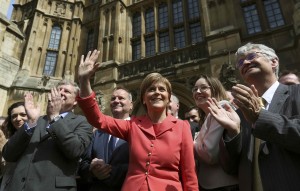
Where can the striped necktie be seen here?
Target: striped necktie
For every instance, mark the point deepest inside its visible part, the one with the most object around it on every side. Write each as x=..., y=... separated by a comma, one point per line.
x=257, y=184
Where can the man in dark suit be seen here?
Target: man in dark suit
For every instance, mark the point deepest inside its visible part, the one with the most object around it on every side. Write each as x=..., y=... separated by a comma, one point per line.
x=47, y=148
x=192, y=115
x=266, y=152
x=105, y=171
x=289, y=77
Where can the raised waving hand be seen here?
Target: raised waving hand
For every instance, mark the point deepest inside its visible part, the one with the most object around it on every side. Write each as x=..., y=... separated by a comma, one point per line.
x=87, y=67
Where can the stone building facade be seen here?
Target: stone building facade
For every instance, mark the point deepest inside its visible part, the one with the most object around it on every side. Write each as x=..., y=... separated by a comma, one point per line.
x=44, y=40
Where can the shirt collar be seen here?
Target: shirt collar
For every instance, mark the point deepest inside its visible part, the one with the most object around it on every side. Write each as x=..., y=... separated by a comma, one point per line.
x=268, y=95
x=63, y=115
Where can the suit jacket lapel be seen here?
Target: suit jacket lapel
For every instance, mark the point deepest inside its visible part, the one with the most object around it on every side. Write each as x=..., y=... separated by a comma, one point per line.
x=69, y=116
x=42, y=125
x=120, y=142
x=166, y=125
x=145, y=125
x=279, y=98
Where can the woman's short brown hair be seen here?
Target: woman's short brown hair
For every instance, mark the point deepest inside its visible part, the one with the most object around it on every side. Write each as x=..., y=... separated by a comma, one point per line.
x=149, y=80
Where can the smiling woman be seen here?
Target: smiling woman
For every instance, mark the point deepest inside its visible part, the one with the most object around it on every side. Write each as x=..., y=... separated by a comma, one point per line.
x=207, y=141
x=150, y=136
x=16, y=117
x=155, y=95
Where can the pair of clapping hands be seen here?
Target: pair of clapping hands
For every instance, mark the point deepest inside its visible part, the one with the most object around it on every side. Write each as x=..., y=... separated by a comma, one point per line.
x=246, y=99
x=53, y=108
x=100, y=169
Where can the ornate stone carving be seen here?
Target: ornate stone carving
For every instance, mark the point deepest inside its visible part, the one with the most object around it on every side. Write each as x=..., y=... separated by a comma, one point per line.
x=104, y=40
x=60, y=9
x=44, y=81
x=228, y=75
x=45, y=21
x=111, y=37
x=27, y=12
x=69, y=25
x=121, y=9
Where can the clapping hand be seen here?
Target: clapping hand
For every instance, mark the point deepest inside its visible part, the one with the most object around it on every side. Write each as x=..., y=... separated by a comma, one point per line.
x=225, y=116
x=100, y=169
x=33, y=110
x=248, y=101
x=88, y=66
x=54, y=103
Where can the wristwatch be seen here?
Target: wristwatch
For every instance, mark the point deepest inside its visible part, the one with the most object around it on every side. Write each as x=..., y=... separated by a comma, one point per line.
x=56, y=118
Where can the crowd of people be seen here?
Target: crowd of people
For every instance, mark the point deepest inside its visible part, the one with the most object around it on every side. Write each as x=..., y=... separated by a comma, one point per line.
x=245, y=138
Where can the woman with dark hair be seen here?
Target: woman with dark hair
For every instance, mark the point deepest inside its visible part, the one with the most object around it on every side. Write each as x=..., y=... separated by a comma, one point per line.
x=161, y=146
x=16, y=117
x=209, y=93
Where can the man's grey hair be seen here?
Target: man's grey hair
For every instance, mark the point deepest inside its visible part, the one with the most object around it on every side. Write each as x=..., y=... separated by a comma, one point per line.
x=268, y=52
x=69, y=82
x=125, y=89
x=174, y=98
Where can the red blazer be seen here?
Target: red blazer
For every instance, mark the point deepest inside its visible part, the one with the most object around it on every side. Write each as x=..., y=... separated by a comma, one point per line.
x=161, y=156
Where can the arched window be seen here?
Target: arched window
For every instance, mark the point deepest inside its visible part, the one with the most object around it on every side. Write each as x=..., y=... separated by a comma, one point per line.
x=163, y=16
x=149, y=20
x=55, y=38
x=90, y=46
x=52, y=52
x=136, y=24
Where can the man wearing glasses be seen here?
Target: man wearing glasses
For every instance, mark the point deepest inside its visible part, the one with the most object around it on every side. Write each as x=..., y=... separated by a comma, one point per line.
x=266, y=152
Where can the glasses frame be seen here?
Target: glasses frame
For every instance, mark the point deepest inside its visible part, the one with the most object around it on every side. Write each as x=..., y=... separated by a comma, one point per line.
x=202, y=89
x=241, y=61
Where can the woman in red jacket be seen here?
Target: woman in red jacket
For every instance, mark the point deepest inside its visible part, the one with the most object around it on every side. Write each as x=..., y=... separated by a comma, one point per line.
x=161, y=146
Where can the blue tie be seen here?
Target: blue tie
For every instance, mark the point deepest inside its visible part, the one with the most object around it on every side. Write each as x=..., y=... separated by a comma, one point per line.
x=111, y=146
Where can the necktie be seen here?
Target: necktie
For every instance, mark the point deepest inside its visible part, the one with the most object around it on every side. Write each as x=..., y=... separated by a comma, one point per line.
x=262, y=102
x=111, y=146
x=257, y=185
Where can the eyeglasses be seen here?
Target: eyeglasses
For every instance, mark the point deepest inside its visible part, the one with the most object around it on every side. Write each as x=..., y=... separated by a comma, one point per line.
x=201, y=88
x=251, y=56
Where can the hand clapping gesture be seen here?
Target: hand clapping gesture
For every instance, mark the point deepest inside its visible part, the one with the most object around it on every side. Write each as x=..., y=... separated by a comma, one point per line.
x=100, y=169
x=248, y=101
x=54, y=103
x=225, y=116
x=33, y=111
